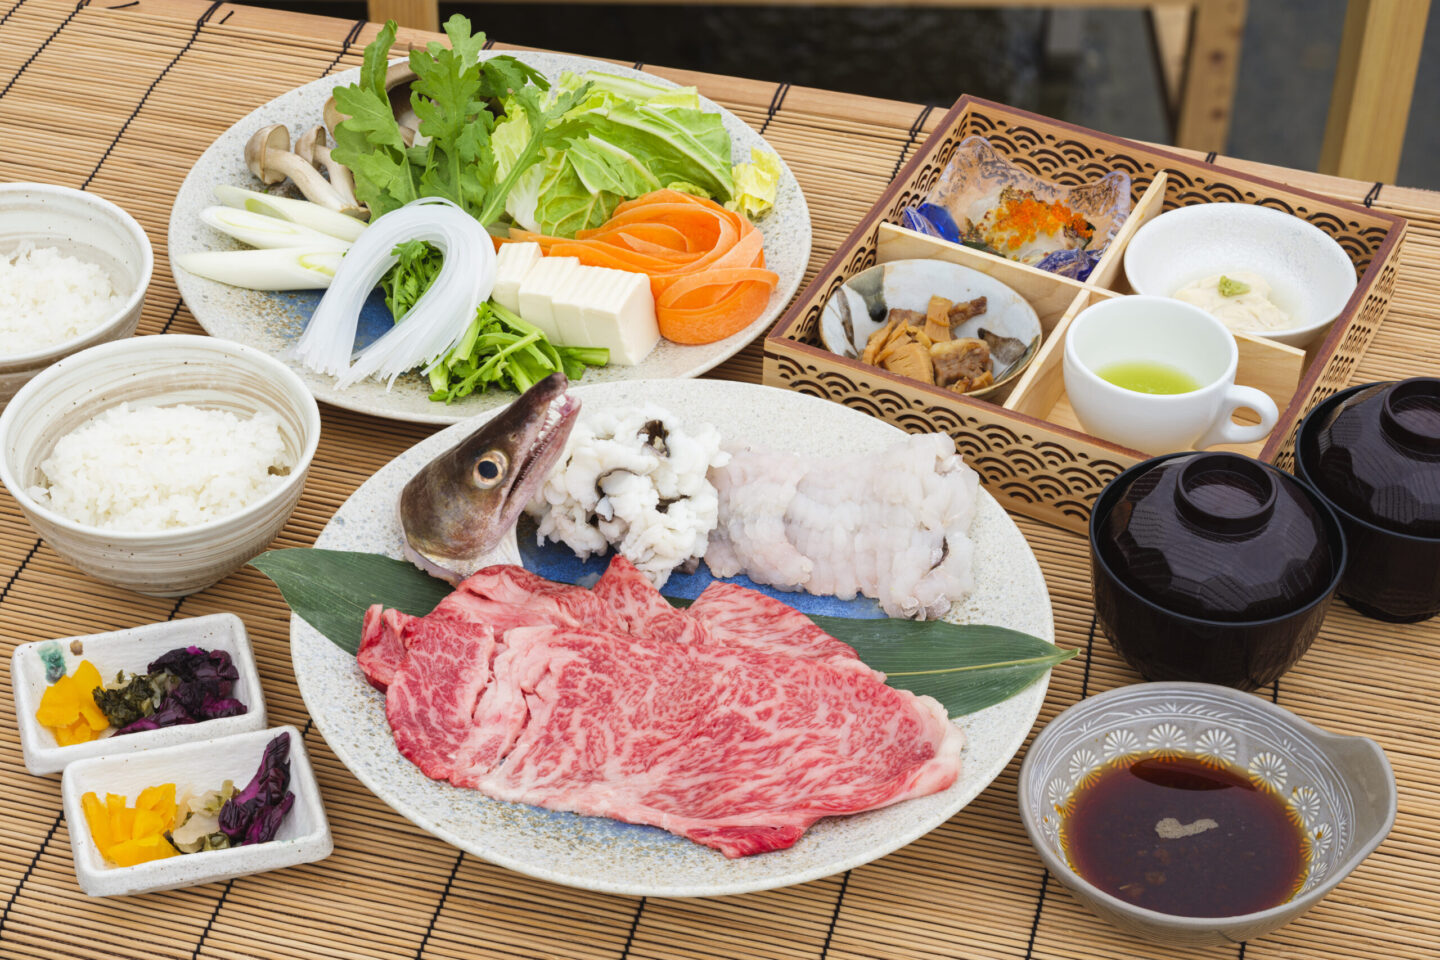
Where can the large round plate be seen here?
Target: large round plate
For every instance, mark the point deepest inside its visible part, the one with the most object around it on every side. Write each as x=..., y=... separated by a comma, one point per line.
x=274, y=321
x=599, y=854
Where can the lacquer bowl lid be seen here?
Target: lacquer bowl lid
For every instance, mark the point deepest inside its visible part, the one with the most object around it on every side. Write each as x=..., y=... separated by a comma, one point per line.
x=1219, y=536
x=1378, y=455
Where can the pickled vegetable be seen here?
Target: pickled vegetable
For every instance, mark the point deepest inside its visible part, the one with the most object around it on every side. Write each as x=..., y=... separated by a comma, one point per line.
x=68, y=708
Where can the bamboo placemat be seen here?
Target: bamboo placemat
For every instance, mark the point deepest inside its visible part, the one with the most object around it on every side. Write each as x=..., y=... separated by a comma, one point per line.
x=119, y=98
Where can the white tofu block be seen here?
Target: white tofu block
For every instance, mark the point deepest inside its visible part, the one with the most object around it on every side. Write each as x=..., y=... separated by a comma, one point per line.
x=567, y=304
x=620, y=315
x=538, y=290
x=512, y=262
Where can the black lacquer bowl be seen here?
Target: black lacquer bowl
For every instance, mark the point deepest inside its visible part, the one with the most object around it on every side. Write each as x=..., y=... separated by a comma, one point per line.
x=1212, y=567
x=1373, y=453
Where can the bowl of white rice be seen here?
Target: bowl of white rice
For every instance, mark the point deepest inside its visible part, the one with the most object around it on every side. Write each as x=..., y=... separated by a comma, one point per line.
x=74, y=269
x=160, y=463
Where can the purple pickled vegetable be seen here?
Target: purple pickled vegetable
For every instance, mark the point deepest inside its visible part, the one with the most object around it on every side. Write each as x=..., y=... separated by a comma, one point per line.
x=210, y=669
x=251, y=810
x=267, y=822
x=170, y=713
x=213, y=707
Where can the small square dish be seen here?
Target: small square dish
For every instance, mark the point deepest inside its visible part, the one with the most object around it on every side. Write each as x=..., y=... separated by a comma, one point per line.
x=132, y=650
x=303, y=835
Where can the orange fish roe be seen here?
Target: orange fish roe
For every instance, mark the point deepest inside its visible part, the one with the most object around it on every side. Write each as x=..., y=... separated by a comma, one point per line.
x=1020, y=218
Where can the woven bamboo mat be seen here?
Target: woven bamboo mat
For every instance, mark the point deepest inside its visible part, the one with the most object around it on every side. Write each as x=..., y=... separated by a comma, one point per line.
x=118, y=98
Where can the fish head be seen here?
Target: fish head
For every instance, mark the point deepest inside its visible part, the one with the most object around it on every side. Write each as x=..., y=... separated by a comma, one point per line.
x=460, y=506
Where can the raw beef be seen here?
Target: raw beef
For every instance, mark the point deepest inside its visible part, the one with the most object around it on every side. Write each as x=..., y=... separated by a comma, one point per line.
x=737, y=725
x=734, y=748
x=640, y=609
x=382, y=649
x=431, y=700
x=736, y=615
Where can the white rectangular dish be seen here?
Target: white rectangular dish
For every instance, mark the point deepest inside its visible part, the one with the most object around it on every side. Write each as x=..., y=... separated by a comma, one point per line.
x=132, y=650
x=304, y=834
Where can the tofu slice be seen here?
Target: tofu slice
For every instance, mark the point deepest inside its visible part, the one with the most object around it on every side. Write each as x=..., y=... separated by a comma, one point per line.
x=568, y=303
x=619, y=313
x=512, y=262
x=538, y=290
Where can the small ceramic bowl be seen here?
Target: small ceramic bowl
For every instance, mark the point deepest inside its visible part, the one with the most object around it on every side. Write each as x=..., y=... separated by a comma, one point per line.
x=86, y=227
x=1373, y=453
x=1310, y=275
x=1212, y=567
x=132, y=650
x=155, y=371
x=304, y=834
x=1340, y=789
x=862, y=305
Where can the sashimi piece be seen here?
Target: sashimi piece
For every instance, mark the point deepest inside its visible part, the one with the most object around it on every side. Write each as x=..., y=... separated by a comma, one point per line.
x=735, y=748
x=639, y=608
x=431, y=699
x=748, y=618
x=382, y=650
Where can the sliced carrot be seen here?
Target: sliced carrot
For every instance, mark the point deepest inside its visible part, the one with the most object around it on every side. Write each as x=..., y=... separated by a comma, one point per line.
x=706, y=264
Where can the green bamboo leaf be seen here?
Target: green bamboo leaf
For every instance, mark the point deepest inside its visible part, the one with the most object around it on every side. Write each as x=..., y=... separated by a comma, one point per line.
x=966, y=667
x=331, y=589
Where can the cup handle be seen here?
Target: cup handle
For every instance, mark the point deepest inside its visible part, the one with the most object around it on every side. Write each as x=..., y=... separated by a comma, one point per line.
x=1226, y=431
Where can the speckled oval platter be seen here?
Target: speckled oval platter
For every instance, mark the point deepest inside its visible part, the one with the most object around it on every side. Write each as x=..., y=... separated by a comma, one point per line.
x=274, y=321
x=600, y=854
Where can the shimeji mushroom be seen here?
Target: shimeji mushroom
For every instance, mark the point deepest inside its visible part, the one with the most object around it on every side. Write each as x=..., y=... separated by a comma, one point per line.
x=314, y=149
x=268, y=156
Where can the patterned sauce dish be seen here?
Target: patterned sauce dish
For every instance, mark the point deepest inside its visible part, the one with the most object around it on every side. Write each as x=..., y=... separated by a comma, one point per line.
x=85, y=227
x=159, y=371
x=1337, y=794
x=1373, y=453
x=1212, y=567
x=1310, y=277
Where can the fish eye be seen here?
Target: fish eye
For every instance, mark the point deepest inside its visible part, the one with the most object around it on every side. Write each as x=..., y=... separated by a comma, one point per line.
x=489, y=469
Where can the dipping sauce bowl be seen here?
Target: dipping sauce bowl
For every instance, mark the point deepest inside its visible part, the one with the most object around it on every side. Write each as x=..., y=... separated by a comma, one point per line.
x=1339, y=790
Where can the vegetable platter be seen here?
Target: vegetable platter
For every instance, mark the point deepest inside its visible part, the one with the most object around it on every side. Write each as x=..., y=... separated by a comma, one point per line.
x=450, y=385
x=607, y=855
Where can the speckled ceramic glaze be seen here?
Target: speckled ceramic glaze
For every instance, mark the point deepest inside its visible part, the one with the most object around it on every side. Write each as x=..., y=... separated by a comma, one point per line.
x=86, y=227
x=303, y=837
x=158, y=371
x=274, y=321
x=606, y=855
x=1340, y=789
x=132, y=650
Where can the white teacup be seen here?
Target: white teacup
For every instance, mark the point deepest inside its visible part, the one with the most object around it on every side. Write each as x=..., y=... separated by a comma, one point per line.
x=1178, y=335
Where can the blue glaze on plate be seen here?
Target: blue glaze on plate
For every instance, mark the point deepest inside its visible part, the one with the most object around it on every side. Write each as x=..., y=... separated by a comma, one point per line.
x=375, y=317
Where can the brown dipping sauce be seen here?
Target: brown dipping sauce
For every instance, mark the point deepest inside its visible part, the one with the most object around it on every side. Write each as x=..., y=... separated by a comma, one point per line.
x=1186, y=837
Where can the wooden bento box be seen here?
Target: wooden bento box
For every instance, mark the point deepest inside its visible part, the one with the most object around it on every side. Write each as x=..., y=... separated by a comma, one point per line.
x=1026, y=443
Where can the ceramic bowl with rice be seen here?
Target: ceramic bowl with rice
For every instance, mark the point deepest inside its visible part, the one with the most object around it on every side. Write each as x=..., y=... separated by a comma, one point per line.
x=160, y=464
x=74, y=269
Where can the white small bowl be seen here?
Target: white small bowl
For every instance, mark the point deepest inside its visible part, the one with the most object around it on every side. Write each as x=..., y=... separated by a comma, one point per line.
x=132, y=650
x=1311, y=276
x=304, y=835
x=158, y=371
x=86, y=227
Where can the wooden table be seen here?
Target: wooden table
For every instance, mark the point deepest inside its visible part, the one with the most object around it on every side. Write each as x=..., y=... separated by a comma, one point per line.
x=119, y=98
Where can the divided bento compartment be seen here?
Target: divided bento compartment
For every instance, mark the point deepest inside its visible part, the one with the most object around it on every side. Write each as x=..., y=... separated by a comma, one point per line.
x=1025, y=440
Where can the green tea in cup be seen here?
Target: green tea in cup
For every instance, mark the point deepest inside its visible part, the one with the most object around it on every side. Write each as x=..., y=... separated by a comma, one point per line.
x=1147, y=376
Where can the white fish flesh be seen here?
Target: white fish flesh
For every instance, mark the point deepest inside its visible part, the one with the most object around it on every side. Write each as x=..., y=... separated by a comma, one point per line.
x=893, y=526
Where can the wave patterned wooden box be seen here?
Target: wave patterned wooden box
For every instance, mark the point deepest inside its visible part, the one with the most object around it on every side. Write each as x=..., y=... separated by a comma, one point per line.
x=1027, y=445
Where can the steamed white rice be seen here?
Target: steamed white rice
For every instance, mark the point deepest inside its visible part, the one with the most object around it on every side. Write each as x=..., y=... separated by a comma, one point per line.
x=155, y=468
x=47, y=298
